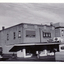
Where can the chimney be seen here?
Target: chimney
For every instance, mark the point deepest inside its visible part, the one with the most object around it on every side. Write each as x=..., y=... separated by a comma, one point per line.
x=3, y=27
x=51, y=24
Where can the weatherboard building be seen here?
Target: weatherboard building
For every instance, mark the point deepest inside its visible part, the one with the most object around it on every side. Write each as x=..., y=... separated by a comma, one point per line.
x=26, y=40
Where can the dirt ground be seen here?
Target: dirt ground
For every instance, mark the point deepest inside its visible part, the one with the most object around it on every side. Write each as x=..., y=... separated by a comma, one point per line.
x=42, y=59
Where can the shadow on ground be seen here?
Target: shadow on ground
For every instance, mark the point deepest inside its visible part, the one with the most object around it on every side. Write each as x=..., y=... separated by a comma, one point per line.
x=44, y=58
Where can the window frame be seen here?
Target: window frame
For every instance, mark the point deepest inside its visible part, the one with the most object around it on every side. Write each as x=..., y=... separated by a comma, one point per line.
x=14, y=35
x=30, y=35
x=19, y=33
x=7, y=36
x=46, y=34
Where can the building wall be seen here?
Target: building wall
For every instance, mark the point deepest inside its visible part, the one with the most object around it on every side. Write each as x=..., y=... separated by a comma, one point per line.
x=47, y=30
x=62, y=32
x=35, y=36
x=10, y=31
x=39, y=33
x=57, y=32
x=59, y=24
x=31, y=39
x=0, y=38
x=7, y=44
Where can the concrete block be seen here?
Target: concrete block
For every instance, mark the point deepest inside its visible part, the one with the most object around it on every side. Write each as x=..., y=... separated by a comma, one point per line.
x=59, y=56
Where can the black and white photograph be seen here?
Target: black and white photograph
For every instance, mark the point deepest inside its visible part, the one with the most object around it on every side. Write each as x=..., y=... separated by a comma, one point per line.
x=32, y=32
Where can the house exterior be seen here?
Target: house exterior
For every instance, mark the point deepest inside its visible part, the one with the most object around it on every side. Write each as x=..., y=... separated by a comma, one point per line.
x=59, y=30
x=59, y=33
x=25, y=38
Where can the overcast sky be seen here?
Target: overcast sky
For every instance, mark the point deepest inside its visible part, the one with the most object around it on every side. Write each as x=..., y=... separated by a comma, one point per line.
x=38, y=13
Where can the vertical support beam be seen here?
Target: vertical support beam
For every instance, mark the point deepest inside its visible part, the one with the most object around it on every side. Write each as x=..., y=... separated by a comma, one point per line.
x=45, y=52
x=24, y=52
x=40, y=34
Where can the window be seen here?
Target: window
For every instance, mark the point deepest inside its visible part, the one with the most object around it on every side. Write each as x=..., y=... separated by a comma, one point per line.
x=62, y=48
x=62, y=31
x=30, y=33
x=14, y=35
x=7, y=36
x=46, y=35
x=19, y=34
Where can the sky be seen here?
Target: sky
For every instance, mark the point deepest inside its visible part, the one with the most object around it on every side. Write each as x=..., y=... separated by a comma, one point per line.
x=35, y=13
